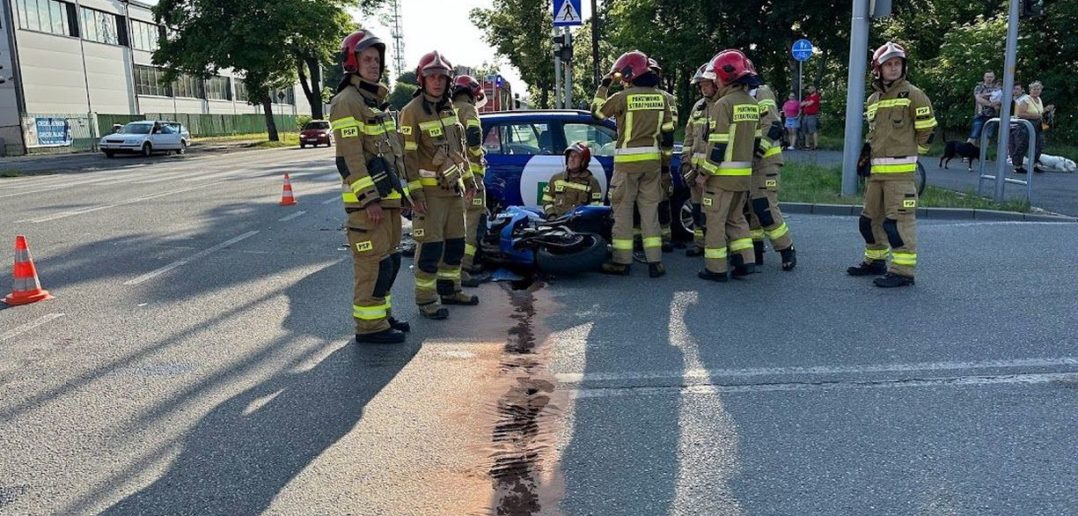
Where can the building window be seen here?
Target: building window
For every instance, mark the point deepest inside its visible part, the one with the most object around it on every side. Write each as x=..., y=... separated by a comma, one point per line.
x=241, y=90
x=101, y=27
x=144, y=36
x=188, y=86
x=148, y=81
x=46, y=16
x=218, y=88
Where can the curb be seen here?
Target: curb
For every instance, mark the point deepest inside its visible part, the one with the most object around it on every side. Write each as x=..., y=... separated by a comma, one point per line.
x=926, y=213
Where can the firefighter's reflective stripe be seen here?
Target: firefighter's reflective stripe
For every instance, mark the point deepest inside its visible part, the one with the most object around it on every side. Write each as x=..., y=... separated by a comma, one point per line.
x=469, y=250
x=570, y=184
x=883, y=104
x=653, y=242
x=904, y=258
x=369, y=313
x=362, y=184
x=894, y=165
x=777, y=233
x=740, y=244
x=715, y=253
x=622, y=244
x=631, y=154
x=728, y=168
x=877, y=254
x=449, y=274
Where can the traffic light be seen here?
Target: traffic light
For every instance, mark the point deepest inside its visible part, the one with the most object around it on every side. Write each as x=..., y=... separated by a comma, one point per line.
x=1031, y=8
x=563, y=46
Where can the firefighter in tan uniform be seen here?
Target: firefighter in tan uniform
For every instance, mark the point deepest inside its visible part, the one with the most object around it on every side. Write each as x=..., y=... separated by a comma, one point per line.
x=726, y=170
x=666, y=180
x=368, y=156
x=574, y=186
x=900, y=126
x=468, y=98
x=692, y=151
x=644, y=146
x=765, y=218
x=440, y=181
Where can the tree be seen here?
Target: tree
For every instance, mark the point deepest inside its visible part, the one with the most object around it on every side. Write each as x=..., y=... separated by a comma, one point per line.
x=520, y=30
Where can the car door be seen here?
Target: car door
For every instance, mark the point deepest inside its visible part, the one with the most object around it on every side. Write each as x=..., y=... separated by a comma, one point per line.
x=169, y=137
x=521, y=157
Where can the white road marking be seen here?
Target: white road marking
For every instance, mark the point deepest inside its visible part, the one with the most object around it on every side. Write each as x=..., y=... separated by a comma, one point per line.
x=699, y=373
x=292, y=216
x=711, y=389
x=331, y=199
x=28, y=326
x=72, y=213
x=153, y=274
x=999, y=223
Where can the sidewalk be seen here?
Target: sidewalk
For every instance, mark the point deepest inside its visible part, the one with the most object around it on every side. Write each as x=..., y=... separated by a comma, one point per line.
x=1055, y=192
x=92, y=160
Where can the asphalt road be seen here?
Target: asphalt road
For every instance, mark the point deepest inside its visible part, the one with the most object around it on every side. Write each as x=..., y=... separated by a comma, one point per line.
x=197, y=360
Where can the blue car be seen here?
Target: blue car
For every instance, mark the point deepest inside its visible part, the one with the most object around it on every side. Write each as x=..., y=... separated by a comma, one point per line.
x=525, y=148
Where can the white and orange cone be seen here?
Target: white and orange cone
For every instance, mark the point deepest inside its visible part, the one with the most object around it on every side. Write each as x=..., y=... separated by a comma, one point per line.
x=287, y=197
x=27, y=288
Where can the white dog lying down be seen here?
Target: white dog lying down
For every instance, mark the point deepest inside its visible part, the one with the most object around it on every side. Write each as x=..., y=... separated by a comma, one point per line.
x=1050, y=163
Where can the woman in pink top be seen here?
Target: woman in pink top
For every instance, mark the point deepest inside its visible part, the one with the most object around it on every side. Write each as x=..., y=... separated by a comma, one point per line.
x=791, y=108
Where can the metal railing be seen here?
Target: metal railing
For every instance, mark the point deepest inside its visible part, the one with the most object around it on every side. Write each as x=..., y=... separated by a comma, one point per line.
x=1031, y=155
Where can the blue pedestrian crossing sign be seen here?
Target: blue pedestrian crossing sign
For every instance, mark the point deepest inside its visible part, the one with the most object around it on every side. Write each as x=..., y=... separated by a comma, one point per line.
x=802, y=50
x=567, y=13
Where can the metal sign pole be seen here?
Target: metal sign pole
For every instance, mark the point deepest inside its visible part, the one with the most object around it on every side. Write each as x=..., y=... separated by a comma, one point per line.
x=568, y=98
x=557, y=75
x=855, y=96
x=1008, y=94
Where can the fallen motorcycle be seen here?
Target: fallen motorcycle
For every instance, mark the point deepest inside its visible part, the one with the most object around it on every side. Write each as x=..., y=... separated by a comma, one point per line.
x=521, y=239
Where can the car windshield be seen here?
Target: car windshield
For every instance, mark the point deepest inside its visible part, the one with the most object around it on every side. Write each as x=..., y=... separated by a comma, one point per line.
x=136, y=129
x=316, y=125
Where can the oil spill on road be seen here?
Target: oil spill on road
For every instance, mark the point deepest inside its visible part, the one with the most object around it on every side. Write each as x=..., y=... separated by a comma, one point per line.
x=521, y=466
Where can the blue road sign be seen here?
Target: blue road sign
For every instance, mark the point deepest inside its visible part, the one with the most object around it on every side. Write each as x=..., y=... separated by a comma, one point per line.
x=567, y=13
x=802, y=50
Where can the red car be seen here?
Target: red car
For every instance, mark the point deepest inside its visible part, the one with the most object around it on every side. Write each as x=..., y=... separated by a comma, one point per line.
x=315, y=133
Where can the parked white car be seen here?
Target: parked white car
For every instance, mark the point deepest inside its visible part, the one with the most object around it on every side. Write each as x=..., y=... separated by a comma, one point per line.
x=146, y=137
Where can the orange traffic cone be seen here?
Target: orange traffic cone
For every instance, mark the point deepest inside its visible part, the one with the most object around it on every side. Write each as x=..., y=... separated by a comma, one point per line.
x=27, y=288
x=287, y=199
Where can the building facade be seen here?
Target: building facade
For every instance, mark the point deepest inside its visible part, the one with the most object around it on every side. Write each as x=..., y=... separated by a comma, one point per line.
x=69, y=63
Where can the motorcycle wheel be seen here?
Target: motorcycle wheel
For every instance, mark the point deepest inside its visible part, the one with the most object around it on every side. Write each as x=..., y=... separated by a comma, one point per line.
x=585, y=259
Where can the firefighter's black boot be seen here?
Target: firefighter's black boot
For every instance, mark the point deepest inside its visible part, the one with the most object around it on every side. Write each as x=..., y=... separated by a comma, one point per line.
x=871, y=268
x=789, y=258
x=656, y=270
x=389, y=336
x=615, y=269
x=720, y=277
x=758, y=250
x=399, y=325
x=892, y=280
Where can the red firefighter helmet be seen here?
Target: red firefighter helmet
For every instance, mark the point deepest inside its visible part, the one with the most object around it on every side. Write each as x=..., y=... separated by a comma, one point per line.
x=354, y=44
x=583, y=149
x=631, y=65
x=886, y=52
x=468, y=84
x=730, y=65
x=433, y=63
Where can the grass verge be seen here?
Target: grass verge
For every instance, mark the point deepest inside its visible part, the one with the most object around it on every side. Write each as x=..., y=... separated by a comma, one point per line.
x=10, y=173
x=808, y=183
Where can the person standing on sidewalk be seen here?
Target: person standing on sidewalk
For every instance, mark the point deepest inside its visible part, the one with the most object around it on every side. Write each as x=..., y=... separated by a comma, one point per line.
x=810, y=108
x=792, y=111
x=368, y=155
x=900, y=126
